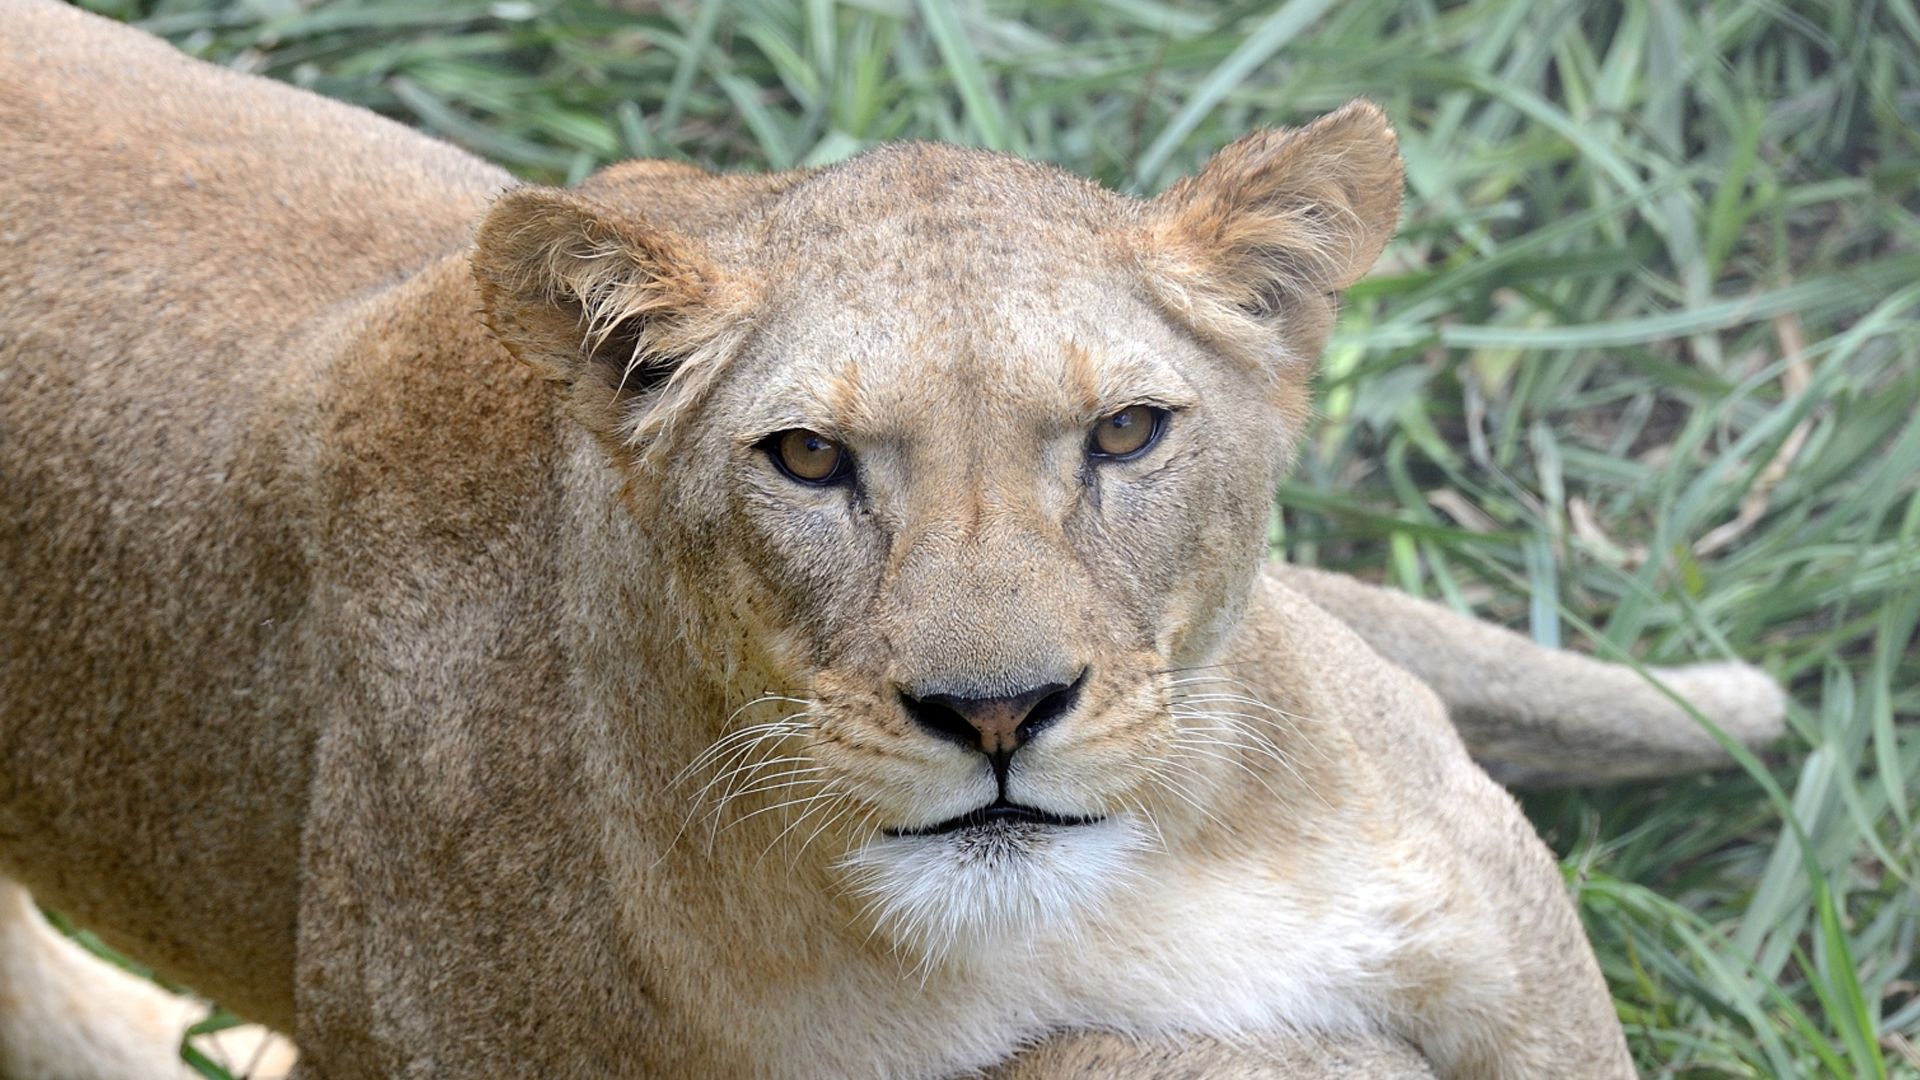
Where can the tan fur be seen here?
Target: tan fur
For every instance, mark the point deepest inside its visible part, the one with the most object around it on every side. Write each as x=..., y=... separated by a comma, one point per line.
x=392, y=691
x=1103, y=1054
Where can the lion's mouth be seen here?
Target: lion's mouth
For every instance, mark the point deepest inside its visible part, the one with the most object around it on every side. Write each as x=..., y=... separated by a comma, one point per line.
x=999, y=812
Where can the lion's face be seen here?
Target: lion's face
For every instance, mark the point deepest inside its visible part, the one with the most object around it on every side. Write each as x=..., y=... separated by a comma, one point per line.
x=981, y=512
x=967, y=465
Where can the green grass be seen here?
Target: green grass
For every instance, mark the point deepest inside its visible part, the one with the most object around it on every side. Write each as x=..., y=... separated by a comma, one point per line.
x=1658, y=265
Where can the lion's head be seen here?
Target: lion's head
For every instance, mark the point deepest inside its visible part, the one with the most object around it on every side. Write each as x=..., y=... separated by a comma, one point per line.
x=971, y=461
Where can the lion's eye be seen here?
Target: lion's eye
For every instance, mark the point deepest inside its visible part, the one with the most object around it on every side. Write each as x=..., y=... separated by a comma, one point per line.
x=808, y=456
x=1128, y=433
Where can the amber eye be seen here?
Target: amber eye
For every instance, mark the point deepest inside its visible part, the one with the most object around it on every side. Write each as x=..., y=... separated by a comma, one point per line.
x=1128, y=433
x=808, y=456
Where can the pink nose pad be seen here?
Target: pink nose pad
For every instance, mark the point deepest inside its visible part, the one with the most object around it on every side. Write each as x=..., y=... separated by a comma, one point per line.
x=995, y=726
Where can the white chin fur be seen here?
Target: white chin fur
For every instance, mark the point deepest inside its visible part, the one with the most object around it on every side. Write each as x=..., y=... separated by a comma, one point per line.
x=980, y=893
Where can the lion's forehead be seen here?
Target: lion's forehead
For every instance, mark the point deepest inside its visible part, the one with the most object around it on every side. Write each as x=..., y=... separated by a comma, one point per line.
x=912, y=219
x=883, y=365
x=956, y=265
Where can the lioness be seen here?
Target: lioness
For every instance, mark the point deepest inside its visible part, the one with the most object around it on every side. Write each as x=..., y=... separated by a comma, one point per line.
x=808, y=624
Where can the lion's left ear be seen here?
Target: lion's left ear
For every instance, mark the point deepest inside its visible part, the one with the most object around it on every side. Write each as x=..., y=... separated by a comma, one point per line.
x=601, y=300
x=1284, y=214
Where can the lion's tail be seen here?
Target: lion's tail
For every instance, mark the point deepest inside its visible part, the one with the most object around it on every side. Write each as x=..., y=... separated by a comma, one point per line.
x=1536, y=716
x=65, y=1014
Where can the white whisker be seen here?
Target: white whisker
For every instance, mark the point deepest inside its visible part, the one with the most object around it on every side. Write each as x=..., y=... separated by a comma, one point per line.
x=835, y=798
x=800, y=801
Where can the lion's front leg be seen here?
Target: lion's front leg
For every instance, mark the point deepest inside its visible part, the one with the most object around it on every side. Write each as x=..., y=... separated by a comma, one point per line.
x=1098, y=1055
x=455, y=916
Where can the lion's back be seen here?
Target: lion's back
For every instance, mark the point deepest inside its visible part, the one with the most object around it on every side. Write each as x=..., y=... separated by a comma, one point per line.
x=180, y=247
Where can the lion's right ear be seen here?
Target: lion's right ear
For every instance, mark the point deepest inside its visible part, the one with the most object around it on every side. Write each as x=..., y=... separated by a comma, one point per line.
x=600, y=300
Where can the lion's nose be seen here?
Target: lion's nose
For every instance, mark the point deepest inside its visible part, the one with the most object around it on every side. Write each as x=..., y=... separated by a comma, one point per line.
x=995, y=726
